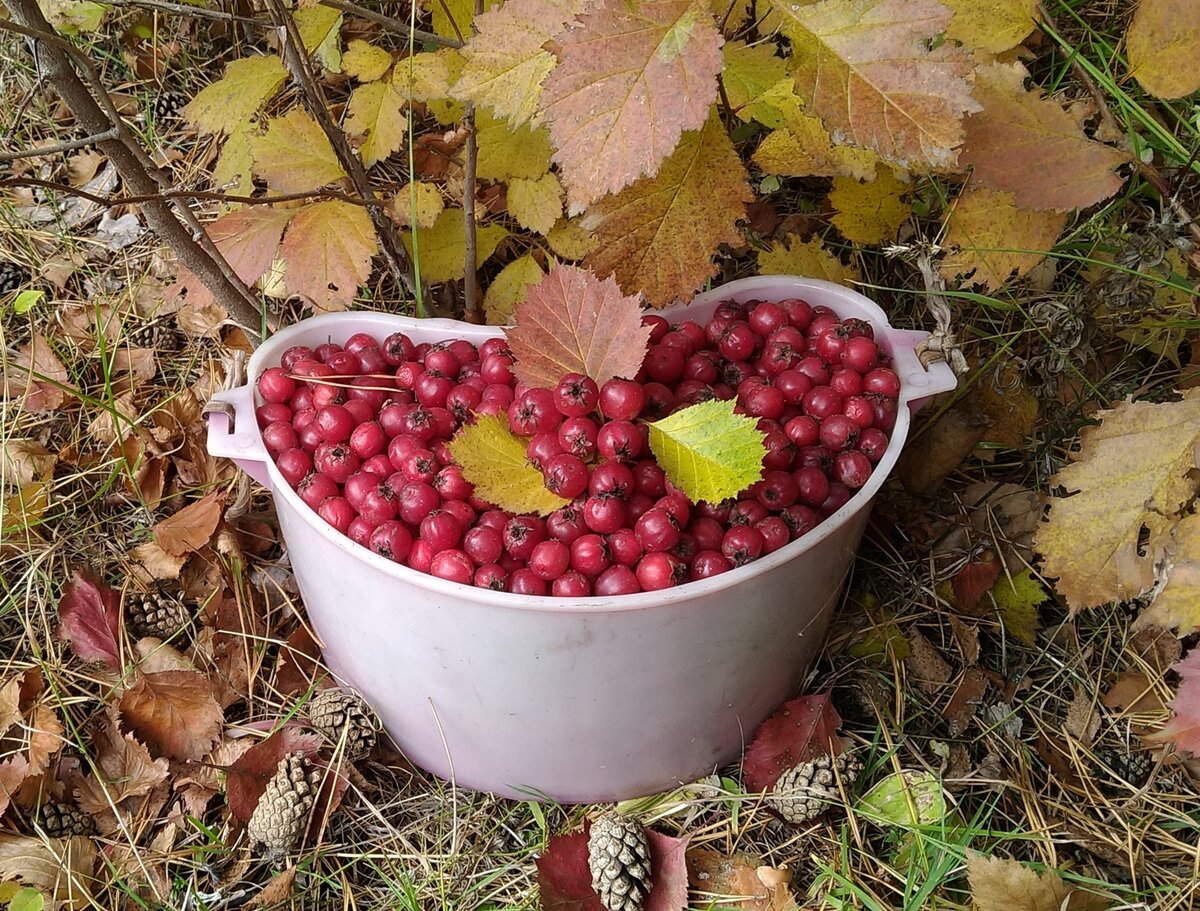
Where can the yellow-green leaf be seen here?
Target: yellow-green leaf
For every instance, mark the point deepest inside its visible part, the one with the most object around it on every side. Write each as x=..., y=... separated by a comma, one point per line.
x=233, y=172
x=365, y=62
x=535, y=204
x=294, y=155
x=798, y=144
x=806, y=258
x=376, y=112
x=908, y=798
x=453, y=18
x=1164, y=327
x=506, y=152
x=1162, y=40
x=448, y=110
x=995, y=26
x=509, y=288
x=26, y=899
x=870, y=213
x=320, y=33
x=750, y=70
x=230, y=101
x=418, y=203
x=443, y=248
x=422, y=76
x=570, y=240
x=73, y=17
x=993, y=238
x=707, y=451
x=1018, y=600
x=493, y=459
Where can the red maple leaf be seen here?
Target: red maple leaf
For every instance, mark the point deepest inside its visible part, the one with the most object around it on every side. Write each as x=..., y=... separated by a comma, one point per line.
x=565, y=882
x=970, y=582
x=89, y=616
x=1184, y=728
x=800, y=730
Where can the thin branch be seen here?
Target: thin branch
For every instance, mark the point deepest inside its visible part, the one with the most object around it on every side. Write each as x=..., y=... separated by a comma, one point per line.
x=184, y=9
x=207, y=195
x=97, y=114
x=66, y=146
x=471, y=310
x=298, y=63
x=390, y=24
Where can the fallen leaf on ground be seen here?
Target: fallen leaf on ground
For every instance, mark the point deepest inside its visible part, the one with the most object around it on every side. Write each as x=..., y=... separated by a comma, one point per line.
x=1018, y=599
x=974, y=580
x=60, y=868
x=89, y=616
x=247, y=777
x=565, y=882
x=925, y=664
x=276, y=892
x=298, y=664
x=734, y=881
x=1177, y=604
x=25, y=461
x=36, y=377
x=967, y=698
x=1001, y=884
x=192, y=527
x=809, y=258
x=993, y=239
x=1083, y=721
x=871, y=212
x=907, y=798
x=124, y=768
x=173, y=712
x=934, y=454
x=1184, y=727
x=798, y=731
x=1162, y=41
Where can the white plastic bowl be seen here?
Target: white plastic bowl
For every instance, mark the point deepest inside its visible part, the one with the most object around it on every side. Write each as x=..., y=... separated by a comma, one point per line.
x=578, y=700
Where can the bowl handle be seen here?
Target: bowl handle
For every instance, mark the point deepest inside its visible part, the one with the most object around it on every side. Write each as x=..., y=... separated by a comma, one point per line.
x=919, y=383
x=233, y=431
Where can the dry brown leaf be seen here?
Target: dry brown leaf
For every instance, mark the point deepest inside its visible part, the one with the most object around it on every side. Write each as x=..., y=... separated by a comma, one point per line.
x=739, y=881
x=36, y=377
x=173, y=712
x=10, y=711
x=1001, y=884
x=60, y=868
x=192, y=527
x=925, y=664
x=929, y=458
x=965, y=702
x=24, y=462
x=277, y=891
x=1083, y=721
x=155, y=655
x=116, y=420
x=152, y=563
x=124, y=768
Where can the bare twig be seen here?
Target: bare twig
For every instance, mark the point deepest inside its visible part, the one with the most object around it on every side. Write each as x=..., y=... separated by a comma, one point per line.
x=66, y=146
x=471, y=311
x=298, y=63
x=390, y=24
x=97, y=114
x=208, y=195
x=184, y=9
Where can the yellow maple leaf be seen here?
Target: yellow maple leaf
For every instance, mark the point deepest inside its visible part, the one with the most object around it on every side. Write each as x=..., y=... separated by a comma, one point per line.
x=870, y=213
x=294, y=155
x=493, y=459
x=509, y=288
x=1162, y=41
x=799, y=145
x=535, y=204
x=659, y=235
x=418, y=203
x=994, y=239
x=570, y=240
x=376, y=112
x=1002, y=884
x=806, y=258
x=995, y=26
x=229, y=102
x=506, y=152
x=1177, y=605
x=1129, y=480
x=442, y=248
x=364, y=61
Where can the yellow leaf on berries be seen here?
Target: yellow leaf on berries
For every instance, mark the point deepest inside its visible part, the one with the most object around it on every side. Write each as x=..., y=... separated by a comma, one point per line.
x=630, y=80
x=294, y=155
x=994, y=240
x=493, y=458
x=376, y=112
x=229, y=102
x=506, y=152
x=509, y=288
x=1177, y=605
x=328, y=248
x=871, y=70
x=1130, y=479
x=870, y=213
x=707, y=451
x=364, y=61
x=750, y=70
x=535, y=204
x=1162, y=42
x=798, y=144
x=572, y=322
x=1018, y=599
x=995, y=26
x=506, y=61
x=659, y=235
x=806, y=258
x=418, y=203
x=570, y=240
x=442, y=249
x=422, y=76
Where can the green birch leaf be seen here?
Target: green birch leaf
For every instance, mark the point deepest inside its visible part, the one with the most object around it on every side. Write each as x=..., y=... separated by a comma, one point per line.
x=707, y=451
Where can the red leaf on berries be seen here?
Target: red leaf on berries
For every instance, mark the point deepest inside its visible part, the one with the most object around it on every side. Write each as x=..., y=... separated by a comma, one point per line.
x=571, y=322
x=800, y=730
x=565, y=882
x=247, y=778
x=89, y=616
x=1184, y=728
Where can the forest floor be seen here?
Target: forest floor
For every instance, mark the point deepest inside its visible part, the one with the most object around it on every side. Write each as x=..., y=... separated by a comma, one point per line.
x=1032, y=720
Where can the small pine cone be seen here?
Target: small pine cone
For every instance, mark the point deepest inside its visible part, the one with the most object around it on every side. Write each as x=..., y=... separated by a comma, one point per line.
x=619, y=858
x=282, y=814
x=156, y=614
x=12, y=276
x=1130, y=768
x=168, y=103
x=64, y=819
x=158, y=336
x=805, y=791
x=337, y=714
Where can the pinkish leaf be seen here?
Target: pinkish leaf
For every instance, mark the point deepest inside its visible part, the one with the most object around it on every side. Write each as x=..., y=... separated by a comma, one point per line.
x=800, y=730
x=1184, y=727
x=90, y=619
x=565, y=882
x=970, y=582
x=247, y=778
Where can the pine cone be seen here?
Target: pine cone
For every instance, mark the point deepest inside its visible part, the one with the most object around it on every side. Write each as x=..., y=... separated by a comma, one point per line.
x=60, y=819
x=159, y=336
x=619, y=858
x=156, y=614
x=168, y=103
x=283, y=810
x=12, y=276
x=337, y=714
x=806, y=790
x=1132, y=769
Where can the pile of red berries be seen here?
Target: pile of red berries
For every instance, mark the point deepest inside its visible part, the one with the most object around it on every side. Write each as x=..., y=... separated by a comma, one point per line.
x=361, y=431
